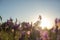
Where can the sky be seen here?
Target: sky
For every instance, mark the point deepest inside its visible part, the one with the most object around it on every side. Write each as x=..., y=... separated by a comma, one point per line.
x=28, y=10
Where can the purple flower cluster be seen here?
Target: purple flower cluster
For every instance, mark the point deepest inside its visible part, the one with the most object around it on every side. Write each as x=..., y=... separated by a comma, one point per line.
x=9, y=25
x=16, y=26
x=57, y=20
x=26, y=25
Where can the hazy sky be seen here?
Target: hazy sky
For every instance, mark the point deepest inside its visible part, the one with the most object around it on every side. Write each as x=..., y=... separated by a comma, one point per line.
x=28, y=10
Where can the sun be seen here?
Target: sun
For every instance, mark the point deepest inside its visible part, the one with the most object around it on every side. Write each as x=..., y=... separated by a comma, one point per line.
x=45, y=23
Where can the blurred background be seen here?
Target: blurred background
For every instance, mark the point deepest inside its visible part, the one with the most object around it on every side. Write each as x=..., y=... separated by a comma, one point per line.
x=29, y=19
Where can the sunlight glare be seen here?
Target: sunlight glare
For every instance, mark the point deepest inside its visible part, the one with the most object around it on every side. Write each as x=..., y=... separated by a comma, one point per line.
x=45, y=23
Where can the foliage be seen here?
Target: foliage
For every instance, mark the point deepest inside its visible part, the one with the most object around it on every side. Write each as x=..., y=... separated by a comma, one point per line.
x=10, y=30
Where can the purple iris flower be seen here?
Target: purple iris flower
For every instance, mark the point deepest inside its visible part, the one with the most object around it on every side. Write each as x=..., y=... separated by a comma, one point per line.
x=16, y=26
x=59, y=20
x=56, y=21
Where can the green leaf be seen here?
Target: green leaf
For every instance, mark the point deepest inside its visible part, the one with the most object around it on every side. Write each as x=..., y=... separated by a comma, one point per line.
x=0, y=18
